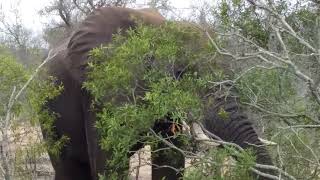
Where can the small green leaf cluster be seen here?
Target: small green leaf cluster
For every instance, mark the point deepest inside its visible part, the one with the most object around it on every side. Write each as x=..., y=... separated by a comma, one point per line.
x=42, y=90
x=304, y=21
x=143, y=52
x=268, y=85
x=253, y=27
x=225, y=13
x=298, y=150
x=217, y=164
x=144, y=76
x=237, y=15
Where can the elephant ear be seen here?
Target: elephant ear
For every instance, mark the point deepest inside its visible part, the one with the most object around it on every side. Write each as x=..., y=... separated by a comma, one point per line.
x=98, y=28
x=56, y=61
x=148, y=16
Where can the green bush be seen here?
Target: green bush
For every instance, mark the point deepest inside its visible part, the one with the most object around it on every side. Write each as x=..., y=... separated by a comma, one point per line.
x=28, y=108
x=136, y=81
x=215, y=165
x=12, y=74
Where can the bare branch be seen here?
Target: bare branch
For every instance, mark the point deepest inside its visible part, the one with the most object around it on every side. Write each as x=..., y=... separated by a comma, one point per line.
x=310, y=82
x=288, y=28
x=264, y=174
x=273, y=113
x=5, y=139
x=301, y=126
x=50, y=57
x=64, y=14
x=308, y=147
x=268, y=167
x=84, y=9
x=90, y=2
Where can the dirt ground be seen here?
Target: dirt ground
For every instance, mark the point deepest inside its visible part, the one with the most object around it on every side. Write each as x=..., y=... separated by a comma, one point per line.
x=23, y=137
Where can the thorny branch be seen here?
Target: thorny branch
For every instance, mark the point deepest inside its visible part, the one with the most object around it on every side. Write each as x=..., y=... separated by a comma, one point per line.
x=270, y=60
x=279, y=60
x=276, y=61
x=50, y=57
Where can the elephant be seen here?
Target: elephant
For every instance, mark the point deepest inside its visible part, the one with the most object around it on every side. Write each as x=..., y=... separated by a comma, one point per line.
x=81, y=157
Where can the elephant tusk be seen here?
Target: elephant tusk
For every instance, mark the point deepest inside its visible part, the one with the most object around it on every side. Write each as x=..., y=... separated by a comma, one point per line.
x=199, y=135
x=267, y=142
x=186, y=128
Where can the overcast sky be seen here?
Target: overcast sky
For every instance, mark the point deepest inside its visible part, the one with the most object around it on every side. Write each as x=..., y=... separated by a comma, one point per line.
x=29, y=10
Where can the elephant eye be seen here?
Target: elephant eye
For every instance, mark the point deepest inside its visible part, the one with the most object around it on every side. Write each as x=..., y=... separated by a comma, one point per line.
x=83, y=67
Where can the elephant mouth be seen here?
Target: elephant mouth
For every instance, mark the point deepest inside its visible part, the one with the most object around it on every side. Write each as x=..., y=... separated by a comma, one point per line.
x=167, y=127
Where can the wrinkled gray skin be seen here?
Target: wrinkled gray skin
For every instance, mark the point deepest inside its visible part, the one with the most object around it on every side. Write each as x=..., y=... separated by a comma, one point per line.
x=81, y=158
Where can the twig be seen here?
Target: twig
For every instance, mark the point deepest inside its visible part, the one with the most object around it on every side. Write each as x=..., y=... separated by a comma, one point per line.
x=268, y=167
x=308, y=147
x=264, y=174
x=278, y=114
x=301, y=126
x=33, y=75
x=172, y=145
x=139, y=165
x=262, y=166
x=289, y=29
x=5, y=139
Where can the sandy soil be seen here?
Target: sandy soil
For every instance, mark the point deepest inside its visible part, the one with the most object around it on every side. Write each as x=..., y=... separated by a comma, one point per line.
x=23, y=137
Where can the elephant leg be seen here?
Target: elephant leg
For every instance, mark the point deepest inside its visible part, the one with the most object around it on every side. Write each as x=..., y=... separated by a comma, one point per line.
x=167, y=164
x=70, y=170
x=97, y=157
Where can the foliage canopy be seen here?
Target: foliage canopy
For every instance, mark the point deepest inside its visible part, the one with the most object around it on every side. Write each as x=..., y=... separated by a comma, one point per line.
x=146, y=75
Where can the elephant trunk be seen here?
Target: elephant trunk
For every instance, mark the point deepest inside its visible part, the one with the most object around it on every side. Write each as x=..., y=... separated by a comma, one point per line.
x=225, y=118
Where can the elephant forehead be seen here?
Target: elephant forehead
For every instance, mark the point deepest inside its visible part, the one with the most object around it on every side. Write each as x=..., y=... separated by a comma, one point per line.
x=98, y=29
